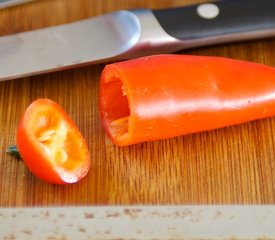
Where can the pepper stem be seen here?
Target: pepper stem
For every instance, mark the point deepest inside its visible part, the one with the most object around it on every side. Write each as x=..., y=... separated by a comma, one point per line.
x=14, y=152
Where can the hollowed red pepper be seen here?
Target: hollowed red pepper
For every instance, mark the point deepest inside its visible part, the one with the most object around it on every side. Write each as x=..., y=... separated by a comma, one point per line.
x=165, y=96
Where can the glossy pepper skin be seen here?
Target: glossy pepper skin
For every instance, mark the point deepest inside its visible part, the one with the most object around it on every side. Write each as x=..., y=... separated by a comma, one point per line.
x=51, y=145
x=164, y=96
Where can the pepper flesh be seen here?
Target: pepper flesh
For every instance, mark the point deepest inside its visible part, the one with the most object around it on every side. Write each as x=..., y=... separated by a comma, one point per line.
x=51, y=145
x=164, y=96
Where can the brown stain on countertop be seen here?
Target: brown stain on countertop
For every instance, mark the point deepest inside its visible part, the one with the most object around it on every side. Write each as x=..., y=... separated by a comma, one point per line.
x=234, y=165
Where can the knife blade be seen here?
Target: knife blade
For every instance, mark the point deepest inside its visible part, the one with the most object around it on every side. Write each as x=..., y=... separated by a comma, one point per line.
x=9, y=3
x=134, y=33
x=139, y=222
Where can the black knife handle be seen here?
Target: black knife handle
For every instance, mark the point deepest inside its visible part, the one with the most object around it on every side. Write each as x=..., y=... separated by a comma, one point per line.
x=243, y=18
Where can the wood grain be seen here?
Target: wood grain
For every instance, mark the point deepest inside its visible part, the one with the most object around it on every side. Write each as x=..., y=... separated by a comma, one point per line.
x=233, y=165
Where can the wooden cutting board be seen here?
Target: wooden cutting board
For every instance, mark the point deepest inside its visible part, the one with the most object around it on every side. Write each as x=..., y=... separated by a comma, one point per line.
x=233, y=165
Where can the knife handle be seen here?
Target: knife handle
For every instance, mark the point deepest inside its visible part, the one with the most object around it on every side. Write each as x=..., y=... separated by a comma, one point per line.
x=219, y=21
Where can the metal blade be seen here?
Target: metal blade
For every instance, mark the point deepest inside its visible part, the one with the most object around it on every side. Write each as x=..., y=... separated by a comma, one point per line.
x=139, y=222
x=92, y=40
x=9, y=3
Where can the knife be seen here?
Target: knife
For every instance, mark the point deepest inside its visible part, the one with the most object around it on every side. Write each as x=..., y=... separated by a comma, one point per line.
x=139, y=222
x=9, y=3
x=134, y=33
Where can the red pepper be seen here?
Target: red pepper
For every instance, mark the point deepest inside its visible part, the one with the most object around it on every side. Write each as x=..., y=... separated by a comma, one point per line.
x=165, y=96
x=51, y=145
